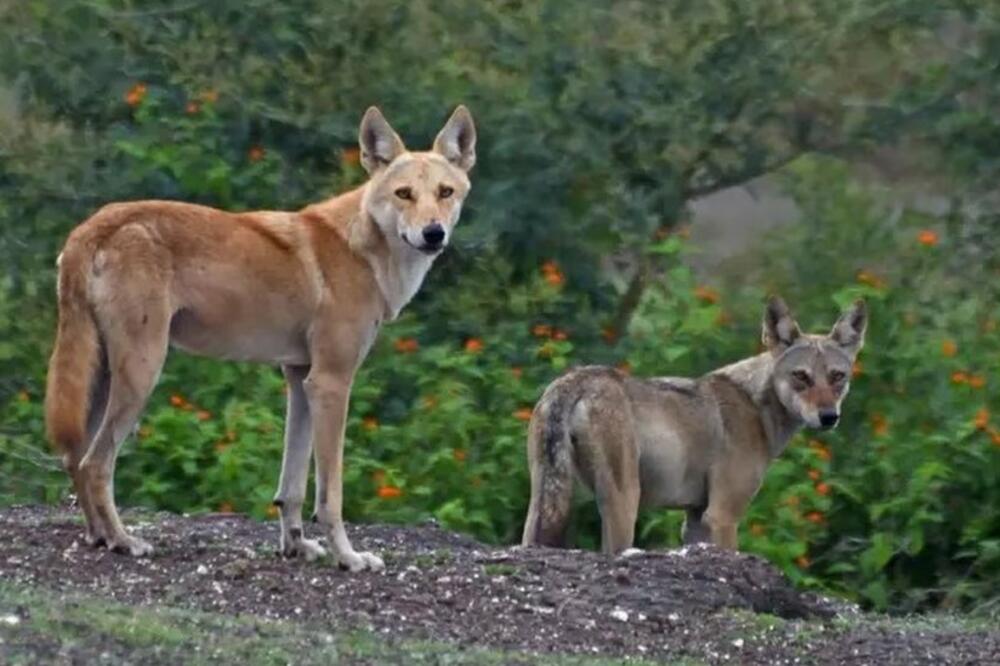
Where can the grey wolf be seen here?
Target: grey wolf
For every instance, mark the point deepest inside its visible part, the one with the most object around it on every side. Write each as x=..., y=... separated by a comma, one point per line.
x=701, y=445
x=307, y=290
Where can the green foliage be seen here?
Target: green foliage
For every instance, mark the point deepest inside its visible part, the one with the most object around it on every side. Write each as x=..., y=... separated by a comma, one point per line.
x=598, y=122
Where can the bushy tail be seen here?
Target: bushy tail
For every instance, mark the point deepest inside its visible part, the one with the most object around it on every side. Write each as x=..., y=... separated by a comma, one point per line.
x=550, y=458
x=74, y=363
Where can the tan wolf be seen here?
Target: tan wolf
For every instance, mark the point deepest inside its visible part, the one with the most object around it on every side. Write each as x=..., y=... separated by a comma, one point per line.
x=702, y=445
x=307, y=290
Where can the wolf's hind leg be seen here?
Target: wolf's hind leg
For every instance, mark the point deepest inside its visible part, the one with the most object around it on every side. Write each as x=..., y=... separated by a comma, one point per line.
x=611, y=441
x=133, y=310
x=695, y=530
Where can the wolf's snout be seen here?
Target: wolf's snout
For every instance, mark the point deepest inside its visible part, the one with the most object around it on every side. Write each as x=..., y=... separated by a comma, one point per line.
x=828, y=417
x=433, y=234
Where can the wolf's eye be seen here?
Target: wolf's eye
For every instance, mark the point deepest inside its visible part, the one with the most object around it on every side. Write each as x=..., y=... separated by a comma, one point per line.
x=836, y=376
x=444, y=191
x=404, y=193
x=802, y=377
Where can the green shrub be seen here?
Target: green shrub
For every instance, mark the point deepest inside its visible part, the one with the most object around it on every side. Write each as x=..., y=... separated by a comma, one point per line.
x=598, y=122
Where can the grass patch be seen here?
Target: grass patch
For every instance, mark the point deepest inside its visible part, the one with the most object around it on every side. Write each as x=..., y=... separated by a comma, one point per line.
x=499, y=569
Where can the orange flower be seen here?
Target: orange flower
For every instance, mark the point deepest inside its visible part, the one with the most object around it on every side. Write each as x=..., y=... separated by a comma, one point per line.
x=406, y=345
x=823, y=488
x=210, y=96
x=552, y=274
x=706, y=294
x=870, y=279
x=271, y=511
x=22, y=396
x=351, y=156
x=177, y=400
x=959, y=377
x=814, y=474
x=517, y=372
x=255, y=154
x=555, y=279
x=815, y=517
x=820, y=448
x=559, y=335
x=192, y=108
x=609, y=334
x=135, y=95
x=458, y=455
x=927, y=238
x=226, y=507
x=857, y=369
x=473, y=345
x=949, y=348
x=982, y=419
x=523, y=414
x=977, y=381
x=541, y=330
x=880, y=426
x=995, y=437
x=203, y=415
x=756, y=529
x=803, y=562
x=369, y=423
x=389, y=492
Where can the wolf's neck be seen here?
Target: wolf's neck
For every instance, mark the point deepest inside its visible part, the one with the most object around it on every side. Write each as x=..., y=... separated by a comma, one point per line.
x=399, y=269
x=754, y=375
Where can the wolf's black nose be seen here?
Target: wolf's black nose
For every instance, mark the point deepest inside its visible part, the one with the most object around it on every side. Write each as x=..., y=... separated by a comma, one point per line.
x=433, y=234
x=828, y=418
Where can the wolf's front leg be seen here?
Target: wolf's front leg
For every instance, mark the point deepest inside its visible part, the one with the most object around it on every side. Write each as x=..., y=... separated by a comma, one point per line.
x=328, y=396
x=295, y=469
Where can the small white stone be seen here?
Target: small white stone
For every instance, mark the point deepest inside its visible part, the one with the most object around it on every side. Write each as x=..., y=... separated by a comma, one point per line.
x=738, y=643
x=674, y=617
x=201, y=570
x=10, y=620
x=619, y=614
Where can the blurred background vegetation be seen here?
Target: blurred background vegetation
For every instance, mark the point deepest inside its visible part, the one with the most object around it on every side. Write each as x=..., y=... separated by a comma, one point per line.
x=647, y=172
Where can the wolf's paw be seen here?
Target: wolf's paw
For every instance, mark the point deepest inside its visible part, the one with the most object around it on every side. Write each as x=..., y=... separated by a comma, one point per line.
x=95, y=539
x=308, y=549
x=130, y=545
x=359, y=561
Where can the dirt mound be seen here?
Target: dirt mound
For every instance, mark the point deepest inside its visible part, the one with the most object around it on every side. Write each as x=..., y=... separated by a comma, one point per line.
x=699, y=602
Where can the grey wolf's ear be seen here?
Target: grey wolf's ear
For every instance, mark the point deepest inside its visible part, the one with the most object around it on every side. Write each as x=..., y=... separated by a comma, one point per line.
x=379, y=142
x=849, y=331
x=779, y=330
x=457, y=139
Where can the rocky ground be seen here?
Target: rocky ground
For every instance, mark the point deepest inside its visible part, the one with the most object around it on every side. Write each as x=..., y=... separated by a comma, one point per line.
x=443, y=598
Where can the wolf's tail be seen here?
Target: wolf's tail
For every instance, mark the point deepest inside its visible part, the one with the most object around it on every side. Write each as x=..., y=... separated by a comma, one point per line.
x=75, y=360
x=550, y=459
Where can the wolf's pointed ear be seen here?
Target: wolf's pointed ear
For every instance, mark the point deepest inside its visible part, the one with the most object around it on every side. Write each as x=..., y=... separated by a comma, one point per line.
x=779, y=330
x=457, y=139
x=379, y=142
x=849, y=331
